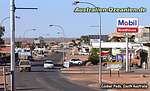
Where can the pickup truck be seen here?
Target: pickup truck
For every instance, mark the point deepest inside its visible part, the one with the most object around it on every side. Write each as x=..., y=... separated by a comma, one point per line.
x=24, y=65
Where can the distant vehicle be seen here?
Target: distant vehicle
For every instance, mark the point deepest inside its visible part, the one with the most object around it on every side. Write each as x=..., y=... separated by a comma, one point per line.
x=75, y=62
x=24, y=65
x=83, y=53
x=66, y=64
x=48, y=64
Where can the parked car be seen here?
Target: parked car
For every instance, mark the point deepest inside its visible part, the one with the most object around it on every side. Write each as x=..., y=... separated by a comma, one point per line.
x=48, y=64
x=83, y=53
x=75, y=62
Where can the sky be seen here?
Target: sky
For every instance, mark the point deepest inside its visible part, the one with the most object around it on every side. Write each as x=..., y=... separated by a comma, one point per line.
x=60, y=12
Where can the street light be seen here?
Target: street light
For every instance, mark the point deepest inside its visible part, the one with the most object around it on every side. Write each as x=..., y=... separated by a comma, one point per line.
x=4, y=19
x=62, y=37
x=1, y=23
x=45, y=35
x=27, y=31
x=100, y=62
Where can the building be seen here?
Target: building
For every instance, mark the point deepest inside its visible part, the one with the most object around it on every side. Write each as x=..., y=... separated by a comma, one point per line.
x=143, y=36
x=95, y=38
x=39, y=42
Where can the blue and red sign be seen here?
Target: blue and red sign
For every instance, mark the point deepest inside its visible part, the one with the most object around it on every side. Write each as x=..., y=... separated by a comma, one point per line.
x=127, y=24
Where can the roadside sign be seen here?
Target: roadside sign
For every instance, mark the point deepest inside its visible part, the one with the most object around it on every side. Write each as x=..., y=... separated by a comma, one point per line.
x=116, y=51
x=119, y=57
x=127, y=25
x=127, y=22
x=104, y=53
x=127, y=30
x=114, y=65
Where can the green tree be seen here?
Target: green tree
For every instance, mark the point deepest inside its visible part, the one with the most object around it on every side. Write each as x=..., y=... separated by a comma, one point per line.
x=85, y=39
x=18, y=44
x=2, y=29
x=94, y=57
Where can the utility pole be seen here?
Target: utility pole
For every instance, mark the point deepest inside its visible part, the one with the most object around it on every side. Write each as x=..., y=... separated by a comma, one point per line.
x=12, y=28
x=63, y=40
x=100, y=61
x=127, y=52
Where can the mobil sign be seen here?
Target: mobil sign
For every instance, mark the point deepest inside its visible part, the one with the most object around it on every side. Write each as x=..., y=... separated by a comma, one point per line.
x=127, y=25
x=127, y=22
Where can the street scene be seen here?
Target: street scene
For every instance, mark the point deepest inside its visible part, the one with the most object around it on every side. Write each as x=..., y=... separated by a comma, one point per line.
x=74, y=45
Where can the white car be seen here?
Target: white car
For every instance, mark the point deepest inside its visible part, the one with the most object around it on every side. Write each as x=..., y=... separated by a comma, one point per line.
x=75, y=62
x=83, y=53
x=48, y=64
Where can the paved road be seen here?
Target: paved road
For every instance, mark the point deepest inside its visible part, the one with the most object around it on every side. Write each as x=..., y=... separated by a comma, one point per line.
x=45, y=80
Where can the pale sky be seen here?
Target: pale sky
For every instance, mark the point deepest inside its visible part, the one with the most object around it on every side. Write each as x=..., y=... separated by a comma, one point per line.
x=60, y=12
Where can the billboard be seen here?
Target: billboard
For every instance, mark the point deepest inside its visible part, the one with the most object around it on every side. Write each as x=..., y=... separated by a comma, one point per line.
x=127, y=22
x=126, y=25
x=127, y=30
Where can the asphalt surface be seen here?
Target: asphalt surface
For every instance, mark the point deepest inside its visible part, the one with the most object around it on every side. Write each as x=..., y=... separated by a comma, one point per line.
x=40, y=79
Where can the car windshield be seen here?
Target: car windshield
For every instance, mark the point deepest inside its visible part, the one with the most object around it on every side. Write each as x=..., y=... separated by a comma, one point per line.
x=24, y=63
x=48, y=62
x=74, y=59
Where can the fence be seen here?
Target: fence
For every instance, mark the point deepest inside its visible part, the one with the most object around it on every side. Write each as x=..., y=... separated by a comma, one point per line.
x=3, y=77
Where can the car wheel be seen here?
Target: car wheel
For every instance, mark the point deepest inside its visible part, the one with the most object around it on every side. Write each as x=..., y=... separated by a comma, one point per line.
x=79, y=63
x=29, y=69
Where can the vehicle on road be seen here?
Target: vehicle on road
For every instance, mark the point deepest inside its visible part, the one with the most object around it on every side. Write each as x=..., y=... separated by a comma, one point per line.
x=83, y=53
x=24, y=65
x=48, y=64
x=75, y=62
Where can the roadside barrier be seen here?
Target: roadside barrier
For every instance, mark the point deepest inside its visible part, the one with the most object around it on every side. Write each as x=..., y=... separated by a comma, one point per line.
x=4, y=71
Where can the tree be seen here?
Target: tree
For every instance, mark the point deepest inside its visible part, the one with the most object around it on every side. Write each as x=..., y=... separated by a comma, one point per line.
x=85, y=39
x=94, y=56
x=18, y=44
x=2, y=29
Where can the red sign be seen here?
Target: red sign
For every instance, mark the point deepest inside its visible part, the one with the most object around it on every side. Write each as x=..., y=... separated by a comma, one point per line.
x=104, y=53
x=127, y=30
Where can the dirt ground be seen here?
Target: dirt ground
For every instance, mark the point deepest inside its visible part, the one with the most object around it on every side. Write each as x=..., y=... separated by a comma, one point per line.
x=91, y=80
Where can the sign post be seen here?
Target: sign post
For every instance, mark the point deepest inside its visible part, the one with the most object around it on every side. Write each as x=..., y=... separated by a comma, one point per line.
x=127, y=25
x=114, y=66
x=127, y=52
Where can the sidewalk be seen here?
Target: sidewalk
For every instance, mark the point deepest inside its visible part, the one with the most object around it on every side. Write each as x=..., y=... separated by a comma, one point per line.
x=94, y=69
x=89, y=77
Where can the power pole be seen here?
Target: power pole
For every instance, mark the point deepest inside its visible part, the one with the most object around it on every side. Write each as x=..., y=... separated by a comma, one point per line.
x=12, y=28
x=127, y=52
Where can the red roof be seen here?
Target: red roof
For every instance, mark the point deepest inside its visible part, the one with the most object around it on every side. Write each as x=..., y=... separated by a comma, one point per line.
x=4, y=49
